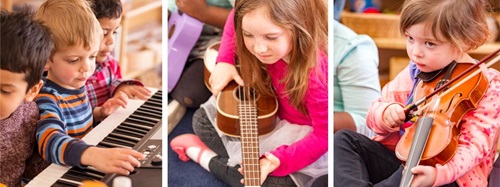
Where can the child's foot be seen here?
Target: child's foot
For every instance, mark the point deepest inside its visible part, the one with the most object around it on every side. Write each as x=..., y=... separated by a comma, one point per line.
x=190, y=146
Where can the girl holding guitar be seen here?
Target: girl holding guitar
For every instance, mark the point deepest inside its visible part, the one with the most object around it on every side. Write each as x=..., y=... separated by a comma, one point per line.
x=280, y=45
x=439, y=34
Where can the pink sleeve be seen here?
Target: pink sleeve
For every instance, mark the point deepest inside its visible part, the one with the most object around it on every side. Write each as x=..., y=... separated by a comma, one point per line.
x=394, y=92
x=476, y=144
x=310, y=148
x=227, y=50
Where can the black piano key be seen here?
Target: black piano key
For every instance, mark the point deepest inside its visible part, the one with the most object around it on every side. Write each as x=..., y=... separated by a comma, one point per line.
x=159, y=93
x=145, y=116
x=111, y=144
x=140, y=120
x=129, y=133
x=66, y=183
x=147, y=119
x=135, y=124
x=154, y=102
x=101, y=145
x=120, y=143
x=147, y=111
x=89, y=171
x=156, y=97
x=120, y=139
x=134, y=128
x=148, y=115
x=120, y=133
x=81, y=175
x=154, y=106
x=75, y=176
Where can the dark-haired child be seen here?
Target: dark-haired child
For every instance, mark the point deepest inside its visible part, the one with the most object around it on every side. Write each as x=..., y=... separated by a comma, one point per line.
x=107, y=81
x=26, y=45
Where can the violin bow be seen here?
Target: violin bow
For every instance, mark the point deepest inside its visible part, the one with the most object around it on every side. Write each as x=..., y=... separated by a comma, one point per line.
x=422, y=100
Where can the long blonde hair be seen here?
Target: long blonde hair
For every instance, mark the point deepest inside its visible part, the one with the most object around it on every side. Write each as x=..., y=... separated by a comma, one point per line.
x=308, y=24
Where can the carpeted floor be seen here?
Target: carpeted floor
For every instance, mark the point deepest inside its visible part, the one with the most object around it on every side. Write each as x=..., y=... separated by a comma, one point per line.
x=188, y=174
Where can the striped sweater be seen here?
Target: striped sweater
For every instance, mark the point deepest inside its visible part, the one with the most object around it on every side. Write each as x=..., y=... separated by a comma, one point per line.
x=65, y=117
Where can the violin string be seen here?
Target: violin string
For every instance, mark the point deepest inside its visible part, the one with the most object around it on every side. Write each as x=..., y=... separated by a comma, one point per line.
x=436, y=105
x=484, y=59
x=474, y=73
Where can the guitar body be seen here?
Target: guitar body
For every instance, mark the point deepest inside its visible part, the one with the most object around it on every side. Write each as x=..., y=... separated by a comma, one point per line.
x=228, y=119
x=183, y=32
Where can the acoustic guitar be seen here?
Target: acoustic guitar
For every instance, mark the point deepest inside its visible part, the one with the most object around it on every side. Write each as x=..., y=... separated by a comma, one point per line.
x=243, y=113
x=183, y=32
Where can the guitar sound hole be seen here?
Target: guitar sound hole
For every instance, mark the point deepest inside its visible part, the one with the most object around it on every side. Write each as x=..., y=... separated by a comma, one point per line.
x=245, y=94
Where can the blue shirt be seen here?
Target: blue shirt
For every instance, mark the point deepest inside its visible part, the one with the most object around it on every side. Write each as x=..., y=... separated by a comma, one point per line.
x=355, y=79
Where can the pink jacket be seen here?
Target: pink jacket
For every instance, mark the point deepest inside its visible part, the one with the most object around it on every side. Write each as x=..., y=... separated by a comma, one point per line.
x=473, y=160
x=307, y=150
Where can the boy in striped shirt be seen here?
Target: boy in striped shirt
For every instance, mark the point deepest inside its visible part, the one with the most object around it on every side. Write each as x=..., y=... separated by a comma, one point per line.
x=65, y=111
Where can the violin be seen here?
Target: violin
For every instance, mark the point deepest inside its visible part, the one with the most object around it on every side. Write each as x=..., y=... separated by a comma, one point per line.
x=448, y=96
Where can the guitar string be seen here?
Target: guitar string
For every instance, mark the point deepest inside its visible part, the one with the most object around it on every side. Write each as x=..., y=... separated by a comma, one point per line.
x=255, y=147
x=251, y=177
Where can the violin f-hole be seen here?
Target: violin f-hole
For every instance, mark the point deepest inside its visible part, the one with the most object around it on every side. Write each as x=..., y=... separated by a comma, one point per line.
x=459, y=94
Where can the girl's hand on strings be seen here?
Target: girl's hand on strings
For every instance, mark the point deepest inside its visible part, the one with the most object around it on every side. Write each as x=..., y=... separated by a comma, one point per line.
x=267, y=165
x=424, y=176
x=223, y=73
x=394, y=115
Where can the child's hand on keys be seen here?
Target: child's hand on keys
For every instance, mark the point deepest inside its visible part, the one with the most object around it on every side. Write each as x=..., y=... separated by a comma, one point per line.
x=112, y=160
x=110, y=106
x=134, y=91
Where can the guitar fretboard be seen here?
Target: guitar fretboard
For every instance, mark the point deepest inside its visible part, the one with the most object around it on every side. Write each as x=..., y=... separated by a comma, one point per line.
x=249, y=142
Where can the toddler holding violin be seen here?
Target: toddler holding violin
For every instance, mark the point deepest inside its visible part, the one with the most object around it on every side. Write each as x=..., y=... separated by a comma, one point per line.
x=436, y=38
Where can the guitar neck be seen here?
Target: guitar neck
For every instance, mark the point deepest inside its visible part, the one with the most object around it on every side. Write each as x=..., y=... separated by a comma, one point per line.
x=249, y=143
